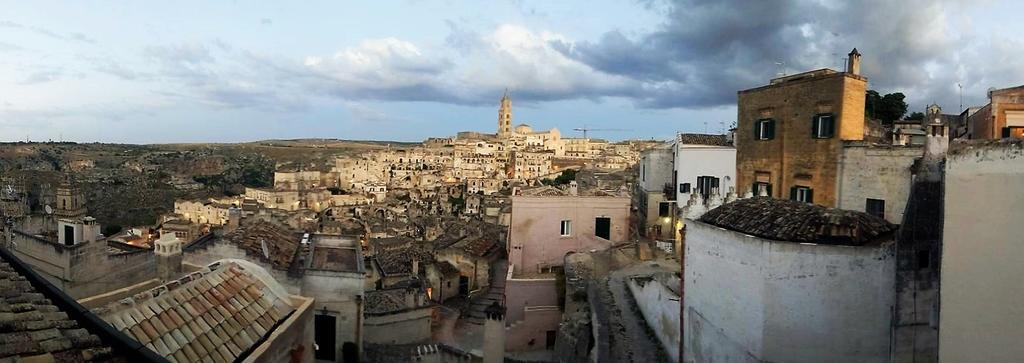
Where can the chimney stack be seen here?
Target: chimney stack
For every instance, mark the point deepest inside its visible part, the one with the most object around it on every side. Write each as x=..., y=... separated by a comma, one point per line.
x=494, y=334
x=853, y=62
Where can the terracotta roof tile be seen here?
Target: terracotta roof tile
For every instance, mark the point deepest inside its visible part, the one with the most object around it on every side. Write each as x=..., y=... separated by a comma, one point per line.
x=787, y=220
x=704, y=139
x=217, y=319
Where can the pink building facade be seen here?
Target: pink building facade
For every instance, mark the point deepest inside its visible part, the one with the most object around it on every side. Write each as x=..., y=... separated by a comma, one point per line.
x=543, y=230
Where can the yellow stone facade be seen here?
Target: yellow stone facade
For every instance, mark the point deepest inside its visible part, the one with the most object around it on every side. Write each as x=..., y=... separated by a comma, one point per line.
x=793, y=157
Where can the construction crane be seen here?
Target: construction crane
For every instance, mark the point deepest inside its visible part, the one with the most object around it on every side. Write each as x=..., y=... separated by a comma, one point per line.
x=586, y=129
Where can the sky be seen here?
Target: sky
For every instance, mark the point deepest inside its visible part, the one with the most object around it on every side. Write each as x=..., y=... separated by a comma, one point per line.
x=405, y=70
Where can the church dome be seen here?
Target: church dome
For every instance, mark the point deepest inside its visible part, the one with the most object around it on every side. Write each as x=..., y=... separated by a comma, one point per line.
x=523, y=129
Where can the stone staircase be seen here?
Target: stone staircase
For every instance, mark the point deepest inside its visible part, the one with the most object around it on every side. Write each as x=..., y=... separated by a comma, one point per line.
x=495, y=292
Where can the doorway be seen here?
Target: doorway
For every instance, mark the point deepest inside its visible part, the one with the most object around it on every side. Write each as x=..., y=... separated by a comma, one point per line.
x=603, y=227
x=464, y=285
x=324, y=327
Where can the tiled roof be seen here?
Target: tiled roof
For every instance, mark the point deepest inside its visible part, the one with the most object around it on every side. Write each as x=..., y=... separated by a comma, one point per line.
x=446, y=268
x=476, y=246
x=281, y=243
x=391, y=300
x=335, y=259
x=787, y=220
x=208, y=316
x=704, y=139
x=33, y=327
x=399, y=261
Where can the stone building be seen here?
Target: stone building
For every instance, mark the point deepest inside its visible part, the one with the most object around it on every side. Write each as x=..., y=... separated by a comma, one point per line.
x=1002, y=117
x=981, y=252
x=397, y=316
x=81, y=262
x=790, y=133
x=802, y=283
x=547, y=224
x=654, y=201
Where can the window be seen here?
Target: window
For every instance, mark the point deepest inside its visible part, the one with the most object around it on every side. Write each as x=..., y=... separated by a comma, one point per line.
x=824, y=126
x=663, y=209
x=923, y=259
x=684, y=188
x=603, y=227
x=566, y=228
x=762, y=187
x=801, y=194
x=764, y=129
x=705, y=184
x=875, y=207
x=1013, y=132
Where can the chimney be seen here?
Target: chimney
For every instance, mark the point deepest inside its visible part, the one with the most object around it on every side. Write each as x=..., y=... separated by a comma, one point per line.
x=494, y=334
x=410, y=297
x=574, y=189
x=853, y=62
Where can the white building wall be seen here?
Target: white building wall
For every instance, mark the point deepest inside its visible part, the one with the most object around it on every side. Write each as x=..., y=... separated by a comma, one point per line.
x=659, y=306
x=982, y=318
x=693, y=161
x=751, y=299
x=655, y=168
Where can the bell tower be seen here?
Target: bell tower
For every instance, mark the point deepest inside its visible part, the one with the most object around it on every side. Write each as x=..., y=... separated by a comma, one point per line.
x=505, y=116
x=70, y=201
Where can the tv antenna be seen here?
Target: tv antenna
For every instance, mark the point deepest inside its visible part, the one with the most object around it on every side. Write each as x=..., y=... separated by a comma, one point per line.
x=263, y=245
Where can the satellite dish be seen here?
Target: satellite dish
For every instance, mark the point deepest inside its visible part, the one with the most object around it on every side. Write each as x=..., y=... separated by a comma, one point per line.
x=48, y=209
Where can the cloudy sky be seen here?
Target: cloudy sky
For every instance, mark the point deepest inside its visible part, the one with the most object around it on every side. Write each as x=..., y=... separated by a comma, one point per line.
x=193, y=71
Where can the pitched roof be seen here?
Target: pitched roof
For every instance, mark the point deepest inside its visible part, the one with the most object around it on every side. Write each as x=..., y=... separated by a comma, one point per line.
x=399, y=261
x=281, y=243
x=704, y=139
x=216, y=314
x=787, y=220
x=477, y=246
x=37, y=321
x=390, y=300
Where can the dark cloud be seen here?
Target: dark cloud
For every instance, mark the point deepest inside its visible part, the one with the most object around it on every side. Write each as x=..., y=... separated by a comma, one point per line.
x=707, y=50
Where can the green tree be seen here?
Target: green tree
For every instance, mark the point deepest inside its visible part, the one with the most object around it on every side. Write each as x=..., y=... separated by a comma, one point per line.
x=887, y=108
x=916, y=116
x=565, y=177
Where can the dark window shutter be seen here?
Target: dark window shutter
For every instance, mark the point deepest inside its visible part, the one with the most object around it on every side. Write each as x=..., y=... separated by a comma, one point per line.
x=831, y=124
x=771, y=129
x=792, y=193
x=770, y=190
x=754, y=189
x=757, y=130
x=1006, y=132
x=810, y=195
x=814, y=126
x=714, y=182
x=686, y=187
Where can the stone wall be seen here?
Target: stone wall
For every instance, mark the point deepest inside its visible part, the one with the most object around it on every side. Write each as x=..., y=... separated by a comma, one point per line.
x=406, y=327
x=876, y=172
x=535, y=238
x=292, y=341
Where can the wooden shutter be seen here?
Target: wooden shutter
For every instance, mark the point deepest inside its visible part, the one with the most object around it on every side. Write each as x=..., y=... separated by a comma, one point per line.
x=1006, y=132
x=769, y=189
x=831, y=126
x=810, y=195
x=771, y=129
x=814, y=126
x=792, y=193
